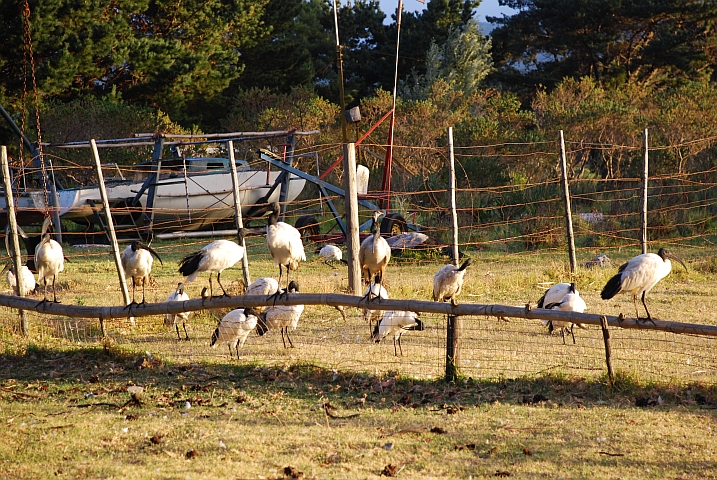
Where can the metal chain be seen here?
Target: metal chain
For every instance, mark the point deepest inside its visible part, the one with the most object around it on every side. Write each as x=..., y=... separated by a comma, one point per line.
x=28, y=43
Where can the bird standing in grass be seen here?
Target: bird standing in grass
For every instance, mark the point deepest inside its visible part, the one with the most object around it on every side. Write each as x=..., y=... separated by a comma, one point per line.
x=49, y=260
x=173, y=319
x=215, y=257
x=262, y=286
x=571, y=302
x=448, y=282
x=332, y=254
x=137, y=263
x=374, y=254
x=639, y=275
x=284, y=244
x=28, y=279
x=281, y=317
x=234, y=328
x=396, y=322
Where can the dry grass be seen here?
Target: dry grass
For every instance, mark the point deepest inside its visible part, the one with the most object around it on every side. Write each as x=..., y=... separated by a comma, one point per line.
x=528, y=406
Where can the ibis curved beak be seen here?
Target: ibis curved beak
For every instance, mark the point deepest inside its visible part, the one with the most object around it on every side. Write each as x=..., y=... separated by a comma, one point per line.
x=678, y=259
x=151, y=250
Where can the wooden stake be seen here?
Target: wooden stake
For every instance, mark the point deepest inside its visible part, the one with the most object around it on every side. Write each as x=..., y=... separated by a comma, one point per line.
x=353, y=243
x=643, y=212
x=452, y=194
x=111, y=226
x=453, y=347
x=237, y=213
x=566, y=197
x=608, y=350
x=12, y=221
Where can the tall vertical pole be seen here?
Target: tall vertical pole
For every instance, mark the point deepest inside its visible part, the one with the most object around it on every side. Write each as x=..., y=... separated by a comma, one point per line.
x=566, y=197
x=643, y=213
x=110, y=226
x=386, y=187
x=11, y=219
x=152, y=189
x=340, y=65
x=452, y=193
x=286, y=181
x=237, y=213
x=353, y=243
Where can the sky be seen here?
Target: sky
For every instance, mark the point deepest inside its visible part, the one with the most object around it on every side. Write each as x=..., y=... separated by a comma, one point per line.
x=488, y=8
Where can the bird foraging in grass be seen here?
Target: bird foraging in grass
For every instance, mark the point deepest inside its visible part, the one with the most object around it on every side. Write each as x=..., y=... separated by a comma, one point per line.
x=215, y=257
x=137, y=264
x=173, y=319
x=262, y=286
x=332, y=254
x=28, y=279
x=448, y=282
x=396, y=322
x=571, y=302
x=639, y=275
x=370, y=316
x=234, y=328
x=281, y=317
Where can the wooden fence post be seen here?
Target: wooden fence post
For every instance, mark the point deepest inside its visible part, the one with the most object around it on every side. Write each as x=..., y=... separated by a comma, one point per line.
x=239, y=222
x=111, y=226
x=12, y=222
x=608, y=349
x=566, y=197
x=452, y=194
x=643, y=212
x=352, y=218
x=454, y=326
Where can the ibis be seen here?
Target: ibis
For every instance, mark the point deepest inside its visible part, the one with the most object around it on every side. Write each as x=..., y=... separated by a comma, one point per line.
x=49, y=260
x=448, y=282
x=137, y=264
x=234, y=328
x=571, y=302
x=281, y=317
x=332, y=254
x=374, y=254
x=396, y=322
x=377, y=290
x=215, y=257
x=284, y=244
x=639, y=275
x=170, y=319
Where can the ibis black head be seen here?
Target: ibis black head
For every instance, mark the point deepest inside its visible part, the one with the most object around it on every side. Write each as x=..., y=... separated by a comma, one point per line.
x=215, y=337
x=374, y=334
x=261, y=327
x=293, y=286
x=665, y=254
x=136, y=245
x=180, y=288
x=250, y=311
x=572, y=288
x=468, y=262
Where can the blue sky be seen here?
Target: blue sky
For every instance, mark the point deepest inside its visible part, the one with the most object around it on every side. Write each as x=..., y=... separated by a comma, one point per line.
x=486, y=8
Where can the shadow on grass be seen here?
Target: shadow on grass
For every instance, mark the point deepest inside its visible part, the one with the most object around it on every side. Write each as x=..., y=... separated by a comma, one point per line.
x=114, y=368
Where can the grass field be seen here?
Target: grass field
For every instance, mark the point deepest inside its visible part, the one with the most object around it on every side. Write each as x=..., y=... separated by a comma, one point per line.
x=143, y=405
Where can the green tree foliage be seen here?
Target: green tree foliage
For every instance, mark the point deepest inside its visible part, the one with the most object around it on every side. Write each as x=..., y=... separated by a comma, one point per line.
x=162, y=53
x=613, y=42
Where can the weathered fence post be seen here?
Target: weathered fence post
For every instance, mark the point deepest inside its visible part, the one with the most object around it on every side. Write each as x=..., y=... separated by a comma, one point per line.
x=453, y=347
x=12, y=221
x=239, y=222
x=643, y=212
x=110, y=226
x=452, y=194
x=352, y=218
x=608, y=349
x=566, y=197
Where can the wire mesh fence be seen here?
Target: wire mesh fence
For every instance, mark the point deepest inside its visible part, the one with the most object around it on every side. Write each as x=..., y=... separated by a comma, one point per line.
x=490, y=348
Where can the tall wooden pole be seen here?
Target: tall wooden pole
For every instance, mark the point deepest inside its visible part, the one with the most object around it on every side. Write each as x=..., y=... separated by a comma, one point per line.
x=452, y=193
x=566, y=197
x=12, y=221
x=110, y=226
x=237, y=213
x=643, y=213
x=352, y=218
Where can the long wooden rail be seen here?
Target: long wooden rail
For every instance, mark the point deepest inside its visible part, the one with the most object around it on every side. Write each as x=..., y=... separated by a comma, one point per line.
x=335, y=299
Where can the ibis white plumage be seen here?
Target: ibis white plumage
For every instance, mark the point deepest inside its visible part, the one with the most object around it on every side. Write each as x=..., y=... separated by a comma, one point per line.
x=262, y=286
x=448, y=282
x=639, y=275
x=49, y=260
x=215, y=257
x=553, y=295
x=378, y=291
x=234, y=328
x=28, y=279
x=179, y=295
x=281, y=317
x=137, y=263
x=396, y=322
x=571, y=302
x=284, y=244
x=332, y=254
x=374, y=254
